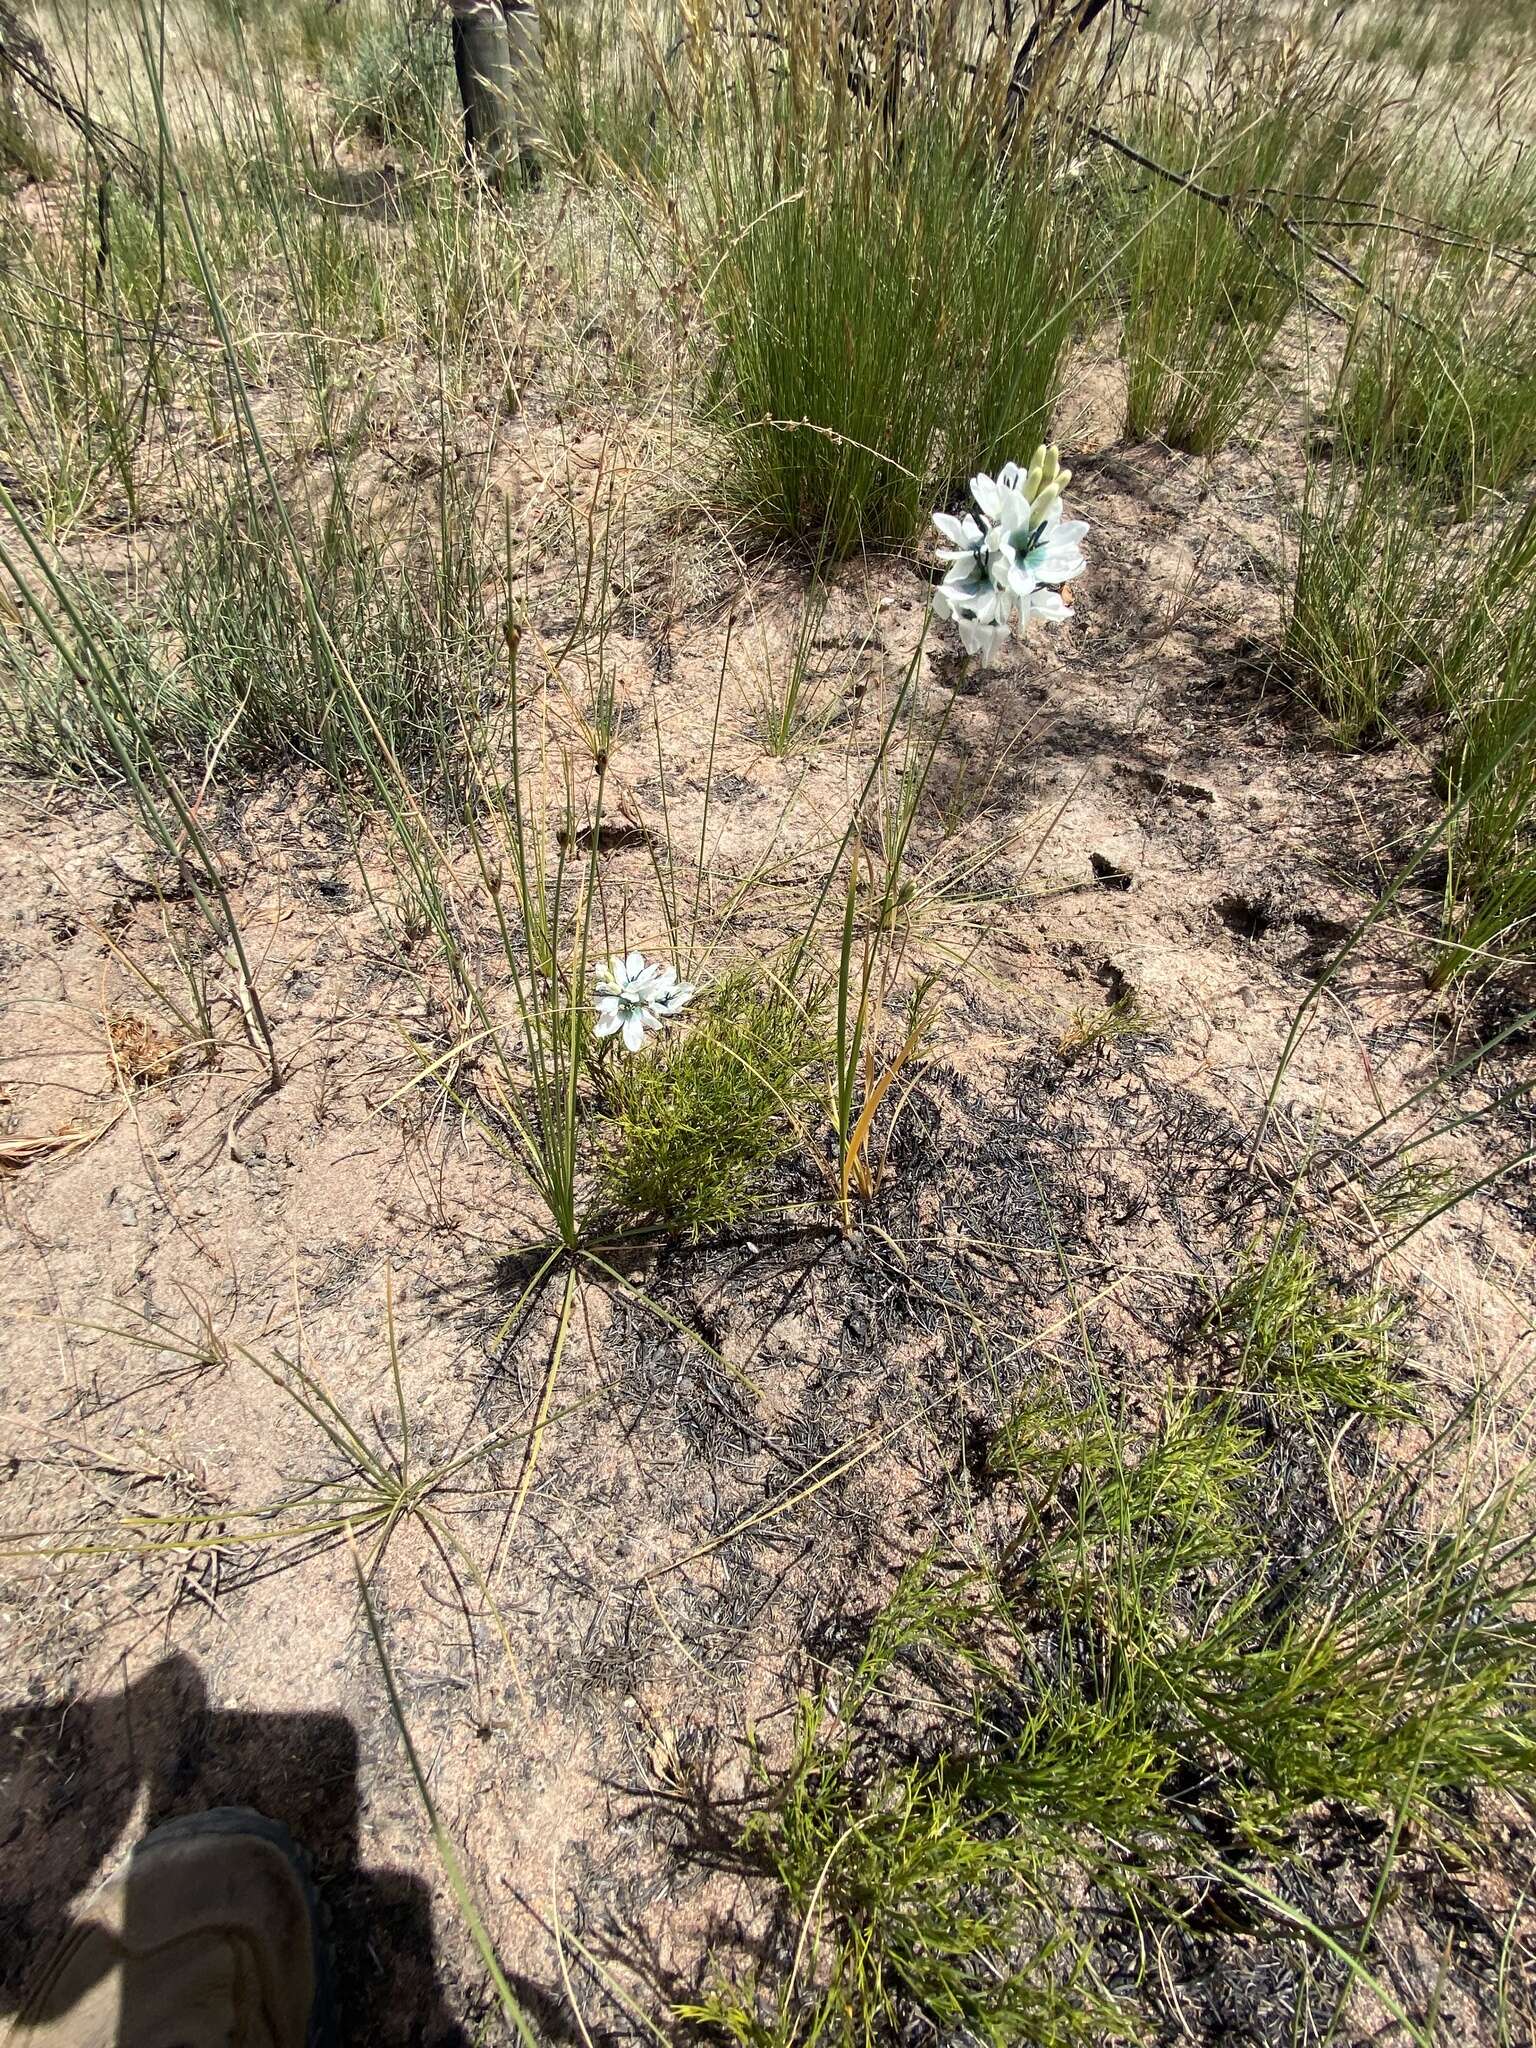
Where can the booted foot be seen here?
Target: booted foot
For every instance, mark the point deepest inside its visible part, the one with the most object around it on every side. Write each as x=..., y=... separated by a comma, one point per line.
x=209, y=1939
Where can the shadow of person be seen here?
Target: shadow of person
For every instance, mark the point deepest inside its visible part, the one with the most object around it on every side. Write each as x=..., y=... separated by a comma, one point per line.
x=82, y=1779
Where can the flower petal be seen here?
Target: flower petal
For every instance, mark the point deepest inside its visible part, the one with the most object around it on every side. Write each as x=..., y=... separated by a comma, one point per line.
x=634, y=1030
x=966, y=580
x=668, y=1004
x=1058, y=563
x=982, y=640
x=962, y=533
x=986, y=494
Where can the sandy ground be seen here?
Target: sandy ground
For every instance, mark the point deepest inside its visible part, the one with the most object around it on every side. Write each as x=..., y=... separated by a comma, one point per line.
x=1129, y=807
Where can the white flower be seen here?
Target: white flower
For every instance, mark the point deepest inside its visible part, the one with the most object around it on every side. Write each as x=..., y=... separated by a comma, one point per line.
x=1040, y=546
x=979, y=606
x=1043, y=604
x=635, y=995
x=1004, y=572
x=980, y=610
x=670, y=994
x=964, y=535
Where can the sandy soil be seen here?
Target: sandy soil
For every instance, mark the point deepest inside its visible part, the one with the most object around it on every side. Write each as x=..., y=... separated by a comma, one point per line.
x=1128, y=807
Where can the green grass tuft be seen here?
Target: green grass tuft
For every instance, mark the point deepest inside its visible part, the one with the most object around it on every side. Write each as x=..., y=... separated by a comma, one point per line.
x=1375, y=581
x=610, y=103
x=1486, y=684
x=1442, y=383
x=925, y=1886
x=1207, y=284
x=1305, y=1344
x=890, y=300
x=1036, y=1750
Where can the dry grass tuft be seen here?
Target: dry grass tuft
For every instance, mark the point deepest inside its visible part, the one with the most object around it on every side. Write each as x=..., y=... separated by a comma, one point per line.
x=141, y=1053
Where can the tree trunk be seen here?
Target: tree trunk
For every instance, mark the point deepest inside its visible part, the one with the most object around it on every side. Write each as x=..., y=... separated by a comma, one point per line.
x=496, y=59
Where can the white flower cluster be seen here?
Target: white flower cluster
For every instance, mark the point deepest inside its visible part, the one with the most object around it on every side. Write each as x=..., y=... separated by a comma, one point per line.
x=1003, y=568
x=635, y=995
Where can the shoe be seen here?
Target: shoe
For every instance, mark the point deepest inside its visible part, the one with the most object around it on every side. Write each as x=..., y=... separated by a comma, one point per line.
x=210, y=1939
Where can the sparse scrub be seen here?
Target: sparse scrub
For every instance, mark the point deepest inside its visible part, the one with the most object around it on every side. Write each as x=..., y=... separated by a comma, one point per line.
x=809, y=1387
x=789, y=711
x=53, y=723
x=21, y=156
x=1490, y=771
x=89, y=655
x=81, y=374
x=877, y=1038
x=226, y=672
x=1490, y=200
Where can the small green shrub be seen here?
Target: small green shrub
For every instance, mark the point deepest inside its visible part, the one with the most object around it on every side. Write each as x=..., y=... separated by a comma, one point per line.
x=396, y=88
x=1187, y=1493
x=1125, y=1017
x=1298, y=1338
x=695, y=1126
x=1379, y=1685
